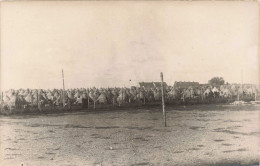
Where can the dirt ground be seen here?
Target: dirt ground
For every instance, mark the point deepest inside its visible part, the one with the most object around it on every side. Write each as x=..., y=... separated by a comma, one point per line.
x=195, y=135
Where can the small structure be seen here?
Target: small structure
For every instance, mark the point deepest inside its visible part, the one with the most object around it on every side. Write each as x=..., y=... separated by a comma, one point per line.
x=185, y=85
x=152, y=84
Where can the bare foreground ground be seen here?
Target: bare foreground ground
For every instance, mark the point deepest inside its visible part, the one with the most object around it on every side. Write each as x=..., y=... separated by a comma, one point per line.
x=196, y=135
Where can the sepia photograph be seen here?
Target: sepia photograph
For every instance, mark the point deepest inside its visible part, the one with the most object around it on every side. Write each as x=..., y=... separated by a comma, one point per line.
x=129, y=83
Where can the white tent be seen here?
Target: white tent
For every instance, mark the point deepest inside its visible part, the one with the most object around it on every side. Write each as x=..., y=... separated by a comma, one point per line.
x=215, y=90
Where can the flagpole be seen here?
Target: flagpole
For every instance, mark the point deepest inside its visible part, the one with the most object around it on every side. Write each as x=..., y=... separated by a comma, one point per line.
x=163, y=104
x=63, y=99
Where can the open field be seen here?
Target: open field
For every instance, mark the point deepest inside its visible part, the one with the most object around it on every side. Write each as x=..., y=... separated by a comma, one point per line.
x=196, y=135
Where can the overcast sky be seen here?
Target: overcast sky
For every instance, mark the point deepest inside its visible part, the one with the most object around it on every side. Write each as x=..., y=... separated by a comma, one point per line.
x=108, y=43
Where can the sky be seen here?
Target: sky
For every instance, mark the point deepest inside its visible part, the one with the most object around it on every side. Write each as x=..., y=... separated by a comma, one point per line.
x=107, y=44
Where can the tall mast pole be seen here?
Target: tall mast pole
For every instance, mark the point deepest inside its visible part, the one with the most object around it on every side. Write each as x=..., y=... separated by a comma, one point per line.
x=63, y=98
x=163, y=105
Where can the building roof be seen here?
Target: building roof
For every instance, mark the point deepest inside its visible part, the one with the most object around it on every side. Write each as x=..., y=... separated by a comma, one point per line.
x=181, y=84
x=151, y=84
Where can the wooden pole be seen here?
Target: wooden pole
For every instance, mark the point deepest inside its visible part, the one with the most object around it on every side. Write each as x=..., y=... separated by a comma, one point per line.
x=88, y=99
x=31, y=98
x=2, y=101
x=63, y=98
x=163, y=105
x=37, y=99
x=122, y=96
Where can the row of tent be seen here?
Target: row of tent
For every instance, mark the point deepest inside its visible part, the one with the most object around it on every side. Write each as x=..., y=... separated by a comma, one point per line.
x=13, y=98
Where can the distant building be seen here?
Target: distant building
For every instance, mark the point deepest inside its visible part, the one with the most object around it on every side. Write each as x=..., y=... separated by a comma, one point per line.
x=183, y=85
x=151, y=84
x=244, y=84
